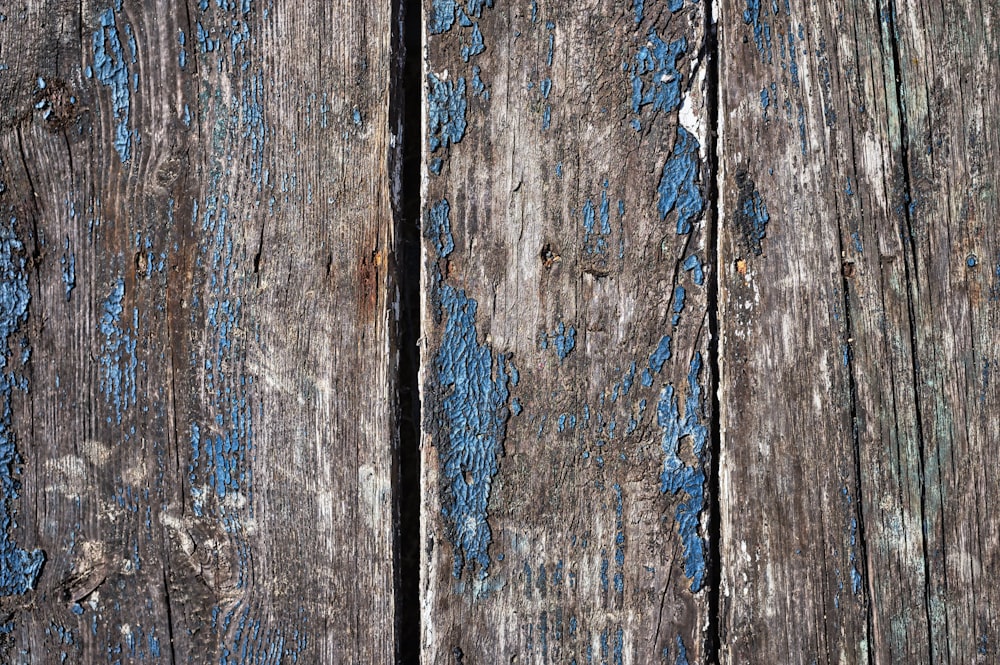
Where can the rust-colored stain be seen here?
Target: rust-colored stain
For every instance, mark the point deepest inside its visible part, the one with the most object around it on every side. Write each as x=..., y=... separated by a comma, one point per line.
x=370, y=266
x=741, y=267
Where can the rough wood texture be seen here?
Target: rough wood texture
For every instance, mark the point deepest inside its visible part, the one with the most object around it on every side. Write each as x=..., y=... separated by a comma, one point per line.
x=858, y=315
x=194, y=248
x=566, y=389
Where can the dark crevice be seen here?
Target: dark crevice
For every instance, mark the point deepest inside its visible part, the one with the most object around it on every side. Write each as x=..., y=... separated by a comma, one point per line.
x=847, y=275
x=713, y=637
x=405, y=125
x=170, y=617
x=909, y=266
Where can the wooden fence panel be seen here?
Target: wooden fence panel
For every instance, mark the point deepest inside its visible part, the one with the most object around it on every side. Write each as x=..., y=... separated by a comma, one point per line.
x=565, y=378
x=197, y=359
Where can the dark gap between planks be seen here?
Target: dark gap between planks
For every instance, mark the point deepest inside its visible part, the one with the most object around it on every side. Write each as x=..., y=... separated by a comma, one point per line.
x=405, y=118
x=710, y=183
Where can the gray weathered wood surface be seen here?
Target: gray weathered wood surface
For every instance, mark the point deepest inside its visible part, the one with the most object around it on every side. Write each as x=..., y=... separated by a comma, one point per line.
x=195, y=214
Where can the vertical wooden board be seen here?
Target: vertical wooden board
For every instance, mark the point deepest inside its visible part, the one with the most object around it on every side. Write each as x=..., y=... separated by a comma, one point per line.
x=829, y=250
x=565, y=381
x=804, y=151
x=195, y=246
x=946, y=57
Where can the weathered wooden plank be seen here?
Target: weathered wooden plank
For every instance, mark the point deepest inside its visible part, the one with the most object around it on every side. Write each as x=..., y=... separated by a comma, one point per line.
x=846, y=318
x=195, y=239
x=946, y=63
x=566, y=388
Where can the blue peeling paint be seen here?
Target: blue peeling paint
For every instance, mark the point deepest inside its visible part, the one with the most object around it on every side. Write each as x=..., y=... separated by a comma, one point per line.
x=679, y=295
x=476, y=46
x=474, y=422
x=563, y=340
x=679, y=183
x=654, y=76
x=446, y=106
x=660, y=355
x=761, y=29
x=182, y=55
x=68, y=263
x=595, y=238
x=19, y=568
x=438, y=228
x=118, y=360
x=473, y=384
x=444, y=13
x=638, y=6
x=477, y=85
x=679, y=477
x=751, y=215
x=682, y=654
x=111, y=69
x=856, y=237
x=693, y=263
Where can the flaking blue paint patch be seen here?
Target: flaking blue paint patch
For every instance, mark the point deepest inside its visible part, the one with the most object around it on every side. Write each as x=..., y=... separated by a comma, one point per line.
x=660, y=356
x=255, y=644
x=761, y=29
x=679, y=477
x=473, y=388
x=563, y=340
x=111, y=69
x=638, y=6
x=118, y=361
x=595, y=238
x=679, y=295
x=654, y=75
x=438, y=228
x=476, y=45
x=182, y=54
x=751, y=214
x=477, y=85
x=253, y=127
x=679, y=183
x=19, y=568
x=222, y=447
x=473, y=421
x=446, y=107
x=68, y=263
x=682, y=654
x=693, y=263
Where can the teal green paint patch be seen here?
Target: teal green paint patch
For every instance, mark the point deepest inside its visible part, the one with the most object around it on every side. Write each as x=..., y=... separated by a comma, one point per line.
x=19, y=568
